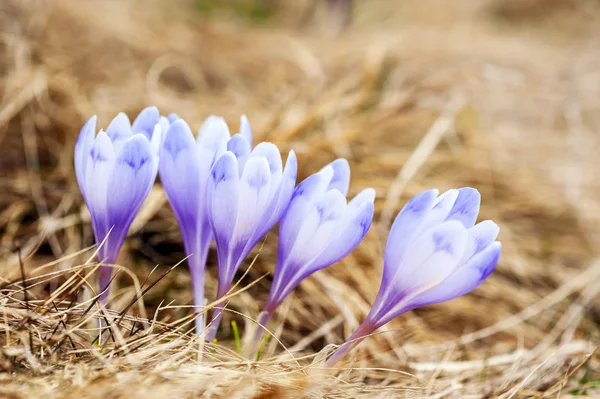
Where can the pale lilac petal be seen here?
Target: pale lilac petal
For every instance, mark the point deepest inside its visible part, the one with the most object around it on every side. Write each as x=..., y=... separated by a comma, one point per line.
x=172, y=117
x=245, y=129
x=432, y=257
x=466, y=207
x=283, y=193
x=351, y=232
x=146, y=121
x=481, y=236
x=271, y=153
x=254, y=189
x=179, y=173
x=98, y=173
x=341, y=176
x=464, y=280
x=240, y=147
x=84, y=144
x=403, y=230
x=119, y=128
x=132, y=180
x=223, y=200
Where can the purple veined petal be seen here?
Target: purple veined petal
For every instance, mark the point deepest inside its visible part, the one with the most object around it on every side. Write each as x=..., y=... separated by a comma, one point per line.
x=341, y=175
x=271, y=153
x=321, y=221
x=179, y=171
x=432, y=257
x=119, y=128
x=84, y=144
x=302, y=198
x=283, y=193
x=98, y=172
x=223, y=191
x=146, y=121
x=404, y=229
x=238, y=145
x=464, y=280
x=439, y=211
x=254, y=196
x=132, y=180
x=212, y=144
x=319, y=226
x=466, y=207
x=352, y=231
x=245, y=129
x=480, y=236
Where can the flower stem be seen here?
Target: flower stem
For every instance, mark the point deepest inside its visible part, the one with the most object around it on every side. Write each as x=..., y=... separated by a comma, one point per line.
x=198, y=288
x=356, y=338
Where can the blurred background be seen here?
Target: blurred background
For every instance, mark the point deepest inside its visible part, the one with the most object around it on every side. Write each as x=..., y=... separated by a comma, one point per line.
x=501, y=95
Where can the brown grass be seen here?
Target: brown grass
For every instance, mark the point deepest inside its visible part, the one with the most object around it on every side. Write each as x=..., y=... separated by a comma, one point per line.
x=500, y=95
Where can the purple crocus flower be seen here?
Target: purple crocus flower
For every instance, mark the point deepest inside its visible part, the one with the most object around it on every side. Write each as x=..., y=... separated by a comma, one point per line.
x=247, y=193
x=318, y=229
x=435, y=252
x=184, y=169
x=115, y=172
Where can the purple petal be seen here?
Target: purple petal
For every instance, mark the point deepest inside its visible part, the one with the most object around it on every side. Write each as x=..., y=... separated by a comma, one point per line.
x=404, y=229
x=341, y=176
x=245, y=129
x=271, y=153
x=466, y=207
x=119, y=128
x=481, y=236
x=255, y=190
x=179, y=172
x=238, y=145
x=223, y=192
x=130, y=184
x=172, y=117
x=464, y=280
x=146, y=121
x=84, y=144
x=352, y=231
x=98, y=173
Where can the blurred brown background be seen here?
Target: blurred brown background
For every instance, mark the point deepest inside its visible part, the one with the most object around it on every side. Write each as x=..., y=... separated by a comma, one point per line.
x=500, y=95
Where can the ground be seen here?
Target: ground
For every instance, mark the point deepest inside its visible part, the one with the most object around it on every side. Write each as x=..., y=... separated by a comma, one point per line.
x=500, y=95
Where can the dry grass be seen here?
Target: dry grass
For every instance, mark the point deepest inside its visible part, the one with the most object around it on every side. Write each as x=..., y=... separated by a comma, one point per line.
x=500, y=95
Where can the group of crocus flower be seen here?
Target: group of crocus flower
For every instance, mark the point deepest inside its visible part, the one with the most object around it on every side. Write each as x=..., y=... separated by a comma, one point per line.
x=223, y=189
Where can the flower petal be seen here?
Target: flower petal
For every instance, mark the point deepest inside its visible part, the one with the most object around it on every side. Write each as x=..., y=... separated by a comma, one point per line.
x=351, y=232
x=254, y=189
x=302, y=198
x=283, y=193
x=119, y=128
x=481, y=236
x=98, y=173
x=84, y=144
x=273, y=157
x=146, y=121
x=179, y=173
x=402, y=233
x=223, y=192
x=432, y=257
x=341, y=176
x=462, y=281
x=238, y=145
x=466, y=207
x=245, y=129
x=131, y=182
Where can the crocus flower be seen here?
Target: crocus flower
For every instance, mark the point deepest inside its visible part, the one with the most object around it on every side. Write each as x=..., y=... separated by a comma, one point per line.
x=435, y=252
x=318, y=229
x=247, y=193
x=184, y=169
x=115, y=172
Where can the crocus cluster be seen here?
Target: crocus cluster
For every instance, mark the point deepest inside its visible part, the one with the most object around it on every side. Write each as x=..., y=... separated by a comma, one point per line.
x=223, y=189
